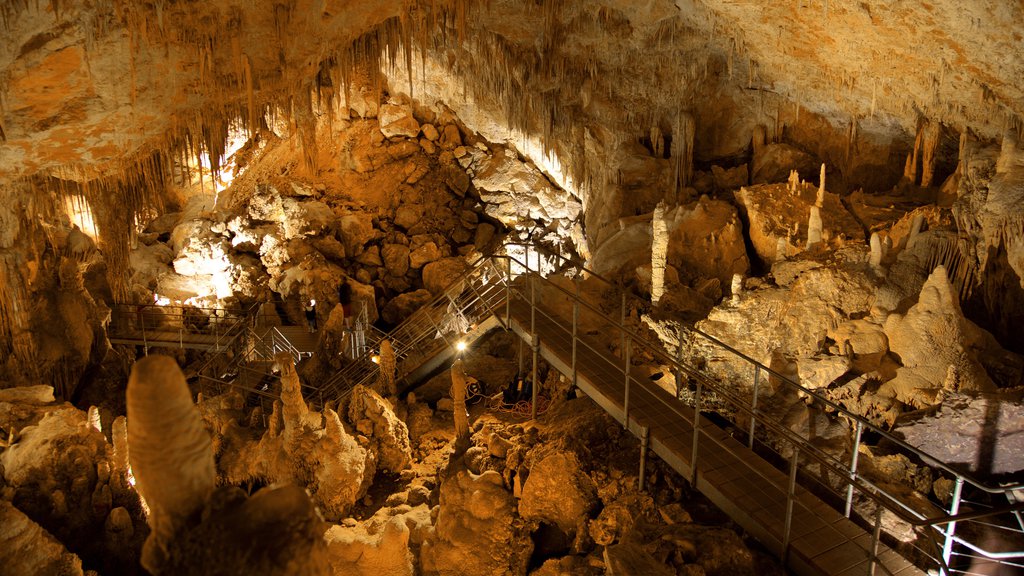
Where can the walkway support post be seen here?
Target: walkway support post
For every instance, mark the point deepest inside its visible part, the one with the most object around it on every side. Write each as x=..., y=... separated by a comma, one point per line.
x=875, y=536
x=575, y=326
x=696, y=433
x=508, y=292
x=625, y=370
x=790, y=497
x=753, y=407
x=645, y=439
x=853, y=467
x=954, y=509
x=535, y=344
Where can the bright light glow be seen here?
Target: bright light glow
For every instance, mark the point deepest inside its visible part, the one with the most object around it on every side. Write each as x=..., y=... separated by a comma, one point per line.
x=80, y=213
x=161, y=300
x=375, y=358
x=312, y=302
x=228, y=171
x=460, y=346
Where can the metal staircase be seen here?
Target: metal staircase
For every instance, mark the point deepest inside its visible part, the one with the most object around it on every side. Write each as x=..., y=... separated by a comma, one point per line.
x=818, y=511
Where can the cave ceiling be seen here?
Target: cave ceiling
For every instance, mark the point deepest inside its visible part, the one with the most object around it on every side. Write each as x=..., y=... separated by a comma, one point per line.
x=94, y=86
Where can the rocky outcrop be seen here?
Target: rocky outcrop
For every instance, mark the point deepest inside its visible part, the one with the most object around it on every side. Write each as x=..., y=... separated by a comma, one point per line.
x=778, y=216
x=195, y=528
x=384, y=545
x=307, y=448
x=373, y=417
x=477, y=530
x=705, y=241
x=26, y=549
x=938, y=347
x=982, y=434
x=558, y=492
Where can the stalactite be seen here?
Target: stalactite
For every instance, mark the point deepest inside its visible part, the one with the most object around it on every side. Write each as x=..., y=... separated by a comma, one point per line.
x=931, y=133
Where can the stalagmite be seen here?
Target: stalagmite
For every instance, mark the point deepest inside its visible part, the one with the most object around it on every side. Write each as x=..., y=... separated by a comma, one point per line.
x=781, y=249
x=820, y=200
x=170, y=452
x=794, y=181
x=876, y=250
x=931, y=134
x=94, y=418
x=386, y=382
x=915, y=230
x=659, y=252
x=737, y=287
x=459, y=383
x=814, y=226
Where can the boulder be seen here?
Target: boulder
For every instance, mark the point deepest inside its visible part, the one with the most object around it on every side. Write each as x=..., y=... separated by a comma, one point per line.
x=557, y=491
x=408, y=215
x=430, y=132
x=26, y=549
x=450, y=137
x=356, y=230
x=819, y=372
x=730, y=178
x=864, y=336
x=397, y=120
x=396, y=258
x=402, y=306
x=440, y=274
x=477, y=530
x=424, y=254
x=706, y=241
x=373, y=417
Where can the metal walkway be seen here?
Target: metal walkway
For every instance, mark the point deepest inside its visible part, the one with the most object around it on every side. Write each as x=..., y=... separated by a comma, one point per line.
x=816, y=511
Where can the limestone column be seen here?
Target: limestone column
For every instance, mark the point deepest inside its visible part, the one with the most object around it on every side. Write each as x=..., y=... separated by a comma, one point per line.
x=659, y=252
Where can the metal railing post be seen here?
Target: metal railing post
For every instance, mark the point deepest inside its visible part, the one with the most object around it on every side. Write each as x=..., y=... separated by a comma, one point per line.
x=508, y=292
x=645, y=438
x=790, y=496
x=534, y=342
x=753, y=407
x=625, y=371
x=145, y=341
x=679, y=364
x=696, y=433
x=853, y=467
x=876, y=534
x=575, y=327
x=954, y=508
x=535, y=388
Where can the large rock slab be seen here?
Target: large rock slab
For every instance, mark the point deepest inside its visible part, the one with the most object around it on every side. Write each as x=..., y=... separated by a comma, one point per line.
x=559, y=492
x=778, y=219
x=397, y=120
x=439, y=275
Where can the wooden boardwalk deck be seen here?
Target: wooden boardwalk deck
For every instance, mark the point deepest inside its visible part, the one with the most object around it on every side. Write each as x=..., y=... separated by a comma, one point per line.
x=746, y=487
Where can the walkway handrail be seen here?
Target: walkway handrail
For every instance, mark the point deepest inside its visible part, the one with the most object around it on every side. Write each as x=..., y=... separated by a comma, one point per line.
x=360, y=369
x=856, y=418
x=851, y=477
